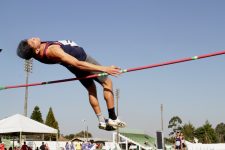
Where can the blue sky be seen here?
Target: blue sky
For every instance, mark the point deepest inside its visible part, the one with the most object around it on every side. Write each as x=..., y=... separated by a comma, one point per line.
x=127, y=34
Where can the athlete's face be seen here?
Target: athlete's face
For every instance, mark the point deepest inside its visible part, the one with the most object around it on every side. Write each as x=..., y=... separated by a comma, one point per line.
x=34, y=42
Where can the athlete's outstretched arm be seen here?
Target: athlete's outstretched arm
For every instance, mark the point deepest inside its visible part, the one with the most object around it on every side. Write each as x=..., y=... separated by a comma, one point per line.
x=57, y=54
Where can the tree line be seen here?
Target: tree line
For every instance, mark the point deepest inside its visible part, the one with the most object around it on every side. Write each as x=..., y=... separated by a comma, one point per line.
x=205, y=133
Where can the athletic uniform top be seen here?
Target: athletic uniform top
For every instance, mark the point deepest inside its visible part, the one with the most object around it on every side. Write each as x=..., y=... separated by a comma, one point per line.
x=78, y=52
x=68, y=47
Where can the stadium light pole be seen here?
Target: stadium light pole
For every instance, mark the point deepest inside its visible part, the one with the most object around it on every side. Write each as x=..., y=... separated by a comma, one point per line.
x=84, y=121
x=87, y=132
x=28, y=65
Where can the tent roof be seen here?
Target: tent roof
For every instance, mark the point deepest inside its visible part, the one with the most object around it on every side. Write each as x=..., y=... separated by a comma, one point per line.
x=20, y=123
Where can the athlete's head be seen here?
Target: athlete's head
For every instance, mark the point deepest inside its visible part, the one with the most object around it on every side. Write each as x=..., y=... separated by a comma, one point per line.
x=26, y=48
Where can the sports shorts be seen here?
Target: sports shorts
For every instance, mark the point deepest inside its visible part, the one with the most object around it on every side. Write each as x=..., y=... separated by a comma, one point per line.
x=82, y=73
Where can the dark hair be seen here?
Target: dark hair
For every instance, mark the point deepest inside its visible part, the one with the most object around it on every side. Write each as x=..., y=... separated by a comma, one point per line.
x=24, y=50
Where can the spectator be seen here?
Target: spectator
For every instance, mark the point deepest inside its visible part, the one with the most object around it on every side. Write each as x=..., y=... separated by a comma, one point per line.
x=182, y=141
x=89, y=145
x=67, y=146
x=42, y=147
x=1, y=145
x=24, y=146
x=93, y=145
x=46, y=146
x=72, y=146
x=85, y=146
x=78, y=146
x=177, y=141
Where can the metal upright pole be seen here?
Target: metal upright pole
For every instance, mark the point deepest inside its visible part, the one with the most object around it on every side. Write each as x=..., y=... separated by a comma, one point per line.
x=28, y=69
x=26, y=95
x=117, y=113
x=87, y=132
x=162, y=117
x=162, y=126
x=84, y=128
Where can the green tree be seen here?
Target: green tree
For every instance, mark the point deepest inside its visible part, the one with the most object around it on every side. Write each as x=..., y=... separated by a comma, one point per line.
x=188, y=131
x=206, y=134
x=36, y=115
x=51, y=121
x=220, y=131
x=175, y=125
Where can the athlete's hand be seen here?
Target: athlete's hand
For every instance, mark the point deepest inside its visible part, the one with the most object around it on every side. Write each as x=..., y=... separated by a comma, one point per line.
x=113, y=70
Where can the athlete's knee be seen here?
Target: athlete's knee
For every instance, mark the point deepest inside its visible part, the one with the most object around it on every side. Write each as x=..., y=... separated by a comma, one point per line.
x=107, y=84
x=108, y=89
x=91, y=89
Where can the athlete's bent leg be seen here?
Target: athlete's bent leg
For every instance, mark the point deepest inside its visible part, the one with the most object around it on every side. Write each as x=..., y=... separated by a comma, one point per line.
x=92, y=94
x=108, y=93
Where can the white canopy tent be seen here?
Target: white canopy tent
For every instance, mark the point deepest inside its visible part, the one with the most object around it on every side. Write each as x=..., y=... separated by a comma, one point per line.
x=21, y=124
